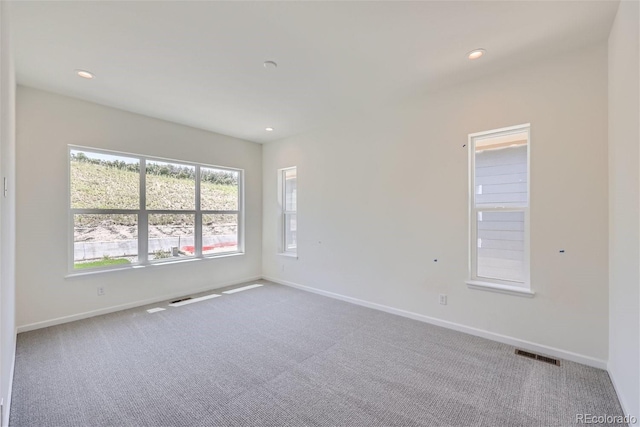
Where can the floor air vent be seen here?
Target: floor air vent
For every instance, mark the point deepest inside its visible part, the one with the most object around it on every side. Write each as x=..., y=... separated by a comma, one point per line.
x=180, y=300
x=539, y=357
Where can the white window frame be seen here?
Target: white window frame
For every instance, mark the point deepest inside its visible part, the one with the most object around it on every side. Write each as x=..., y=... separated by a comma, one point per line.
x=483, y=283
x=282, y=246
x=143, y=214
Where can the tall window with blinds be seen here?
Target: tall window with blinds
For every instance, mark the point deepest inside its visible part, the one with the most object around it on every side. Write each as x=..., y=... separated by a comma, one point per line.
x=288, y=180
x=499, y=206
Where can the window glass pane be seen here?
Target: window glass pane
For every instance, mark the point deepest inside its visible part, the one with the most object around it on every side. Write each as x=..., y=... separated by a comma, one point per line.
x=218, y=189
x=170, y=186
x=501, y=245
x=171, y=235
x=290, y=189
x=219, y=233
x=290, y=232
x=501, y=174
x=101, y=240
x=102, y=181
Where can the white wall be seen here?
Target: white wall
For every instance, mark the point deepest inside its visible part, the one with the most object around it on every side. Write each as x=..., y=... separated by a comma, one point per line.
x=46, y=123
x=7, y=213
x=624, y=205
x=381, y=197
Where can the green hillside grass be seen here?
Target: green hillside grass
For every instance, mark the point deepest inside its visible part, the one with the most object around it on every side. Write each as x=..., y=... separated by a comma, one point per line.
x=96, y=186
x=101, y=263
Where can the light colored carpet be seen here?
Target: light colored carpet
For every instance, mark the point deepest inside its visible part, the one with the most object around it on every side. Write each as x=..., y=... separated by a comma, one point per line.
x=277, y=356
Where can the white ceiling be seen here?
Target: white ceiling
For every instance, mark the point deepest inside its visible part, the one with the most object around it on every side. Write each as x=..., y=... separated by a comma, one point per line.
x=200, y=63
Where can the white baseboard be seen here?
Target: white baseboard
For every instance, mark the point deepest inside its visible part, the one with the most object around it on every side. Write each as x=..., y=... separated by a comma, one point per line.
x=107, y=310
x=622, y=399
x=516, y=342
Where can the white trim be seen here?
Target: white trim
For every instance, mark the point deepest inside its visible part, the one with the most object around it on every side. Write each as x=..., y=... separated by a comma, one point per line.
x=91, y=272
x=112, y=309
x=516, y=342
x=143, y=218
x=508, y=129
x=503, y=289
x=288, y=254
x=241, y=213
x=621, y=397
x=197, y=226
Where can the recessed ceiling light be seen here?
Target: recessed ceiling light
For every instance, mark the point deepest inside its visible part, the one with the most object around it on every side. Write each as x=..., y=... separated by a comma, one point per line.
x=270, y=65
x=85, y=74
x=269, y=129
x=476, y=53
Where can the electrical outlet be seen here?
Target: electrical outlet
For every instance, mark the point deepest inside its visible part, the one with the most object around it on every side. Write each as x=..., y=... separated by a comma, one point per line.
x=100, y=291
x=442, y=299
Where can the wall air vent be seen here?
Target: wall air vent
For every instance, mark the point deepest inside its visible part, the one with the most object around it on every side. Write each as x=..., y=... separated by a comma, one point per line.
x=539, y=357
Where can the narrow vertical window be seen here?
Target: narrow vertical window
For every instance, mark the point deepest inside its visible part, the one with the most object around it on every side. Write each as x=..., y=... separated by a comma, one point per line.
x=289, y=216
x=499, y=208
x=220, y=206
x=171, y=209
x=104, y=204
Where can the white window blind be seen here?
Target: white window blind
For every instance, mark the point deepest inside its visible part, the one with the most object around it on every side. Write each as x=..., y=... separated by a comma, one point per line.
x=500, y=206
x=289, y=217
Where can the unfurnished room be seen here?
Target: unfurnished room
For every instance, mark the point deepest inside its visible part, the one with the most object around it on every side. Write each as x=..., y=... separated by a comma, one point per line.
x=319, y=213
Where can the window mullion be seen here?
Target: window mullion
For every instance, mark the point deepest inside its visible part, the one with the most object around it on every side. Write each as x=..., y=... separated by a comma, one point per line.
x=77, y=211
x=143, y=217
x=490, y=208
x=206, y=212
x=198, y=218
x=170, y=211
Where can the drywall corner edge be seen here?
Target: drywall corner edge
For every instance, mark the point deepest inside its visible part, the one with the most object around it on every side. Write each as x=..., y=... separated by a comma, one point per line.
x=7, y=412
x=504, y=339
x=621, y=398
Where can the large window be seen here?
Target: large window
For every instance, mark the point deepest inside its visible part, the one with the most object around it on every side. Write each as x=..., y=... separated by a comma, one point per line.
x=130, y=209
x=499, y=208
x=289, y=215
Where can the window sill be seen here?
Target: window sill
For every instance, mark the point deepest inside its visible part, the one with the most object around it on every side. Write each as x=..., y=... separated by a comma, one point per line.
x=288, y=254
x=149, y=265
x=503, y=289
